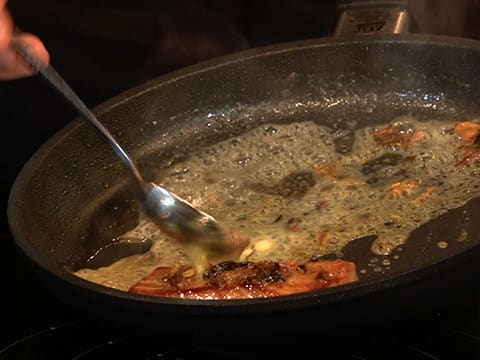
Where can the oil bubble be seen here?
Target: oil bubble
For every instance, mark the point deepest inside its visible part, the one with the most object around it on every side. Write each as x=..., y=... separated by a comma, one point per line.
x=442, y=244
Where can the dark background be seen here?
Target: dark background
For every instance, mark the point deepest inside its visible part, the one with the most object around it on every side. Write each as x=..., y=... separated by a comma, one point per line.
x=105, y=47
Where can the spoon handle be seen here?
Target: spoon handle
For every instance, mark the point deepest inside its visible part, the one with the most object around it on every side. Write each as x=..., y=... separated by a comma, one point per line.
x=54, y=78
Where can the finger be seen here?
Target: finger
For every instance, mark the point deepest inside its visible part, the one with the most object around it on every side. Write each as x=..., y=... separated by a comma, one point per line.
x=34, y=45
x=6, y=28
x=12, y=65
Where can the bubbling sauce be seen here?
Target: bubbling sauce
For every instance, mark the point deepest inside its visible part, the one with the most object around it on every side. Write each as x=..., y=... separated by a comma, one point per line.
x=297, y=191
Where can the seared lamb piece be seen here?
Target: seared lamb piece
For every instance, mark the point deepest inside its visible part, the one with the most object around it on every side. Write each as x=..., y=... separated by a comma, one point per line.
x=242, y=280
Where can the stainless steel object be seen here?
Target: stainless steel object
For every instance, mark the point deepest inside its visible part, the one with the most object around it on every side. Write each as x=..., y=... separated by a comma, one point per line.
x=176, y=217
x=372, y=17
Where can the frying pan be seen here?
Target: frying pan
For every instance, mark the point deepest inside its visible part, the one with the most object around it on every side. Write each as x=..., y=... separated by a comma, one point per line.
x=60, y=207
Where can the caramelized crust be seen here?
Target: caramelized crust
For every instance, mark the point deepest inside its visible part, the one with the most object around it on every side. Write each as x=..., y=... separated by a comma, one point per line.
x=241, y=280
x=467, y=130
x=391, y=137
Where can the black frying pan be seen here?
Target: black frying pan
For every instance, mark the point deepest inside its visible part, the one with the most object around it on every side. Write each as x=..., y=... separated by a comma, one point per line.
x=58, y=205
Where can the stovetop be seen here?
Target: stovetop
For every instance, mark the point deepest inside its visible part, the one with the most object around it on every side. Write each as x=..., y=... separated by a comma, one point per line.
x=81, y=340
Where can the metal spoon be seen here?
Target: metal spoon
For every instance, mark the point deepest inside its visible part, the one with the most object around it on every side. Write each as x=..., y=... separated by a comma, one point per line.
x=173, y=215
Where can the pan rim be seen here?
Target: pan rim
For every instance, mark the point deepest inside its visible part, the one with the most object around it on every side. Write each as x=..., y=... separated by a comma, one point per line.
x=323, y=296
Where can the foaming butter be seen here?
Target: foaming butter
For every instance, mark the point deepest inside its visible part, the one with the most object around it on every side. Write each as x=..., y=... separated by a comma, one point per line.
x=296, y=193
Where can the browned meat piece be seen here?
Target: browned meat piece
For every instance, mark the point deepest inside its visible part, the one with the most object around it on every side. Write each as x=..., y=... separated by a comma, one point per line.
x=467, y=130
x=393, y=137
x=469, y=133
x=242, y=280
x=427, y=194
x=405, y=187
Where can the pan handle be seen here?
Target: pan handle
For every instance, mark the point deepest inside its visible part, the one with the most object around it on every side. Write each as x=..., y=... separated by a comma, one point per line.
x=372, y=17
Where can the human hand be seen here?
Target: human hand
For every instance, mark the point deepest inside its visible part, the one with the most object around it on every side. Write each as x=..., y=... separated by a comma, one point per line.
x=12, y=66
